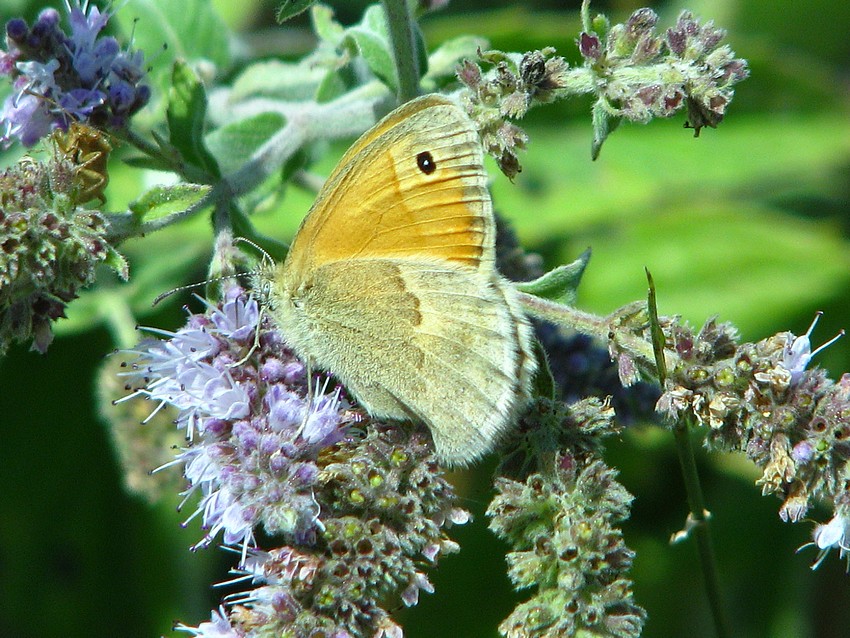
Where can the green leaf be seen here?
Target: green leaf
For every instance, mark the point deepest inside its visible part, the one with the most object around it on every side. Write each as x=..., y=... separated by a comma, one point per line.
x=336, y=83
x=544, y=381
x=280, y=80
x=291, y=8
x=658, y=339
x=233, y=144
x=372, y=42
x=147, y=162
x=559, y=284
x=118, y=263
x=187, y=109
x=167, y=200
x=603, y=125
x=324, y=26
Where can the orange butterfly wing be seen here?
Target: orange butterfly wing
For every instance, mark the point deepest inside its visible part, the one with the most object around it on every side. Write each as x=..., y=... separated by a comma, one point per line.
x=422, y=192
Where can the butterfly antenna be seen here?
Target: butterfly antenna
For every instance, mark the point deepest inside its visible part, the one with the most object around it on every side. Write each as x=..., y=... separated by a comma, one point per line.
x=168, y=293
x=267, y=259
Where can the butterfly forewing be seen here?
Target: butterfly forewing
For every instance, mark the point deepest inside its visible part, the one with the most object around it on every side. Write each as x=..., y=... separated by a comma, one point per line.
x=420, y=190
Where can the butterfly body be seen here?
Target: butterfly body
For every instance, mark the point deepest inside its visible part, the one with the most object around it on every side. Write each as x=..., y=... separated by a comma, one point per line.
x=390, y=283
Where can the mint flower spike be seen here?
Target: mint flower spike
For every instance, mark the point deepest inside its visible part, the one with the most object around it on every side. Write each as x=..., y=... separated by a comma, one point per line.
x=59, y=78
x=52, y=247
x=798, y=351
x=358, y=514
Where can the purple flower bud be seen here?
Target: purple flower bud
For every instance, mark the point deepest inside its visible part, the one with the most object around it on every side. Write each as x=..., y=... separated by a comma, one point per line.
x=589, y=46
x=272, y=370
x=803, y=453
x=676, y=40
x=48, y=18
x=17, y=30
x=306, y=473
x=640, y=22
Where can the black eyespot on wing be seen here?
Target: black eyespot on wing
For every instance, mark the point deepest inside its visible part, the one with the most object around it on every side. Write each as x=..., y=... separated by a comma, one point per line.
x=426, y=162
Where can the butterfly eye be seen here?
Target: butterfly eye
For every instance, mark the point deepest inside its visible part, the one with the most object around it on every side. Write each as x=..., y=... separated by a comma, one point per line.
x=426, y=163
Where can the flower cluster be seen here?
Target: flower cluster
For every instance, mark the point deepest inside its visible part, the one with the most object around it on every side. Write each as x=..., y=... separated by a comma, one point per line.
x=640, y=75
x=759, y=398
x=517, y=82
x=634, y=73
x=358, y=513
x=560, y=522
x=49, y=247
x=60, y=78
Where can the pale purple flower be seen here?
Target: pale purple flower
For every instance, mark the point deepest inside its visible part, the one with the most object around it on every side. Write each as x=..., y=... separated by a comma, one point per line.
x=254, y=438
x=410, y=596
x=268, y=450
x=236, y=319
x=218, y=627
x=58, y=78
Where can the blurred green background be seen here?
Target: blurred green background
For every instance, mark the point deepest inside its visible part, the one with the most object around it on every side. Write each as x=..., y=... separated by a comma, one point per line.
x=750, y=221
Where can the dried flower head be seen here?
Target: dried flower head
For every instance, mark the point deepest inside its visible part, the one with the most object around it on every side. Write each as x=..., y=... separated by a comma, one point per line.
x=516, y=83
x=50, y=247
x=759, y=398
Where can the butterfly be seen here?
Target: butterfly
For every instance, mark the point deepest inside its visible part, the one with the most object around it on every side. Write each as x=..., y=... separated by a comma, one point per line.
x=390, y=283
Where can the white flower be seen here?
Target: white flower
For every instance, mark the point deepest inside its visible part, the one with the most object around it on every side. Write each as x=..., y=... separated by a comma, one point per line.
x=832, y=535
x=218, y=627
x=798, y=351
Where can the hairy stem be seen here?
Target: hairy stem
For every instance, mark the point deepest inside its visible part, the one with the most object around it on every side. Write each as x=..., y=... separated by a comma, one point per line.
x=698, y=519
x=402, y=37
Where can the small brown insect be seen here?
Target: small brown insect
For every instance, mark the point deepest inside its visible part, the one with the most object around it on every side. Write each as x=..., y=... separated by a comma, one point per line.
x=88, y=149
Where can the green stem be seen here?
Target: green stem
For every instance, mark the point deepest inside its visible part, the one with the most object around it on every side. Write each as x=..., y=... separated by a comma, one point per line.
x=698, y=518
x=614, y=329
x=119, y=320
x=585, y=16
x=699, y=521
x=402, y=37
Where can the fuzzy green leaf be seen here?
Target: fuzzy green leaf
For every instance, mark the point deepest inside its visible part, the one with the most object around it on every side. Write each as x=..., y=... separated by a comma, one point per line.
x=187, y=109
x=324, y=25
x=234, y=144
x=167, y=200
x=276, y=79
x=118, y=263
x=559, y=284
x=603, y=125
x=291, y=8
x=372, y=42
